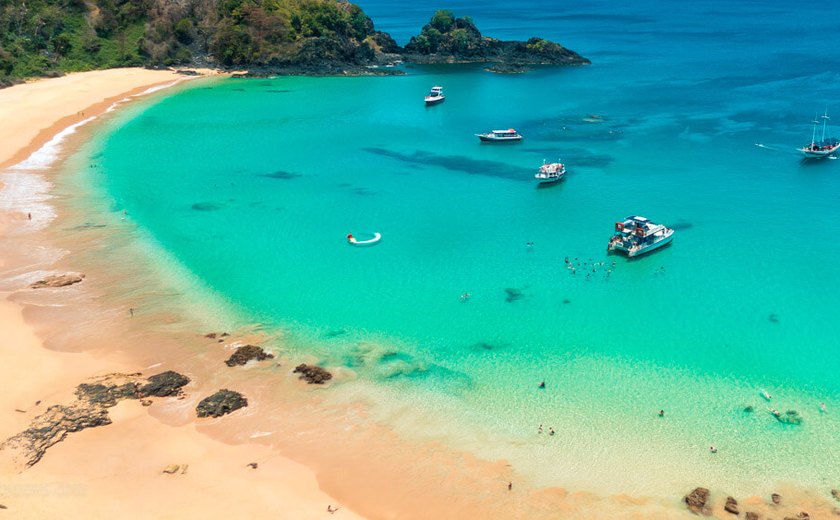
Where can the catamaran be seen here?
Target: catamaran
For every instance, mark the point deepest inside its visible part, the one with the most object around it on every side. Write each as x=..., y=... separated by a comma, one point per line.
x=637, y=235
x=435, y=96
x=826, y=146
x=550, y=172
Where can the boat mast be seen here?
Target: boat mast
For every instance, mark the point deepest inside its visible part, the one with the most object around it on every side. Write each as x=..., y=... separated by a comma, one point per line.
x=814, y=132
x=825, y=119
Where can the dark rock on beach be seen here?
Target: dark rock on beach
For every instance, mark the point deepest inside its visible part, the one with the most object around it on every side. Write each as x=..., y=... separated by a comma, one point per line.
x=696, y=501
x=58, y=280
x=244, y=354
x=221, y=403
x=776, y=498
x=836, y=494
x=731, y=506
x=105, y=395
x=165, y=384
x=90, y=409
x=751, y=516
x=313, y=374
x=53, y=426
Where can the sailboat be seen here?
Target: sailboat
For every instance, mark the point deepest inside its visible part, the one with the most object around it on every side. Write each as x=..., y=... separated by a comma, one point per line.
x=826, y=146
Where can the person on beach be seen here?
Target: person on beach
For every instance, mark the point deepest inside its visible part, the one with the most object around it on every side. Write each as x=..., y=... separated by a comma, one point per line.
x=712, y=449
x=539, y=430
x=542, y=384
x=550, y=430
x=510, y=486
x=29, y=215
x=661, y=413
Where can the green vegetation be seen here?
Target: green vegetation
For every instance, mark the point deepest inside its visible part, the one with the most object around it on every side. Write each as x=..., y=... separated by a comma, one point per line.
x=50, y=37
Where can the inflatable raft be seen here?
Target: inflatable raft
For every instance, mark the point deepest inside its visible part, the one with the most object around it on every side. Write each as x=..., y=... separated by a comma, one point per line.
x=352, y=240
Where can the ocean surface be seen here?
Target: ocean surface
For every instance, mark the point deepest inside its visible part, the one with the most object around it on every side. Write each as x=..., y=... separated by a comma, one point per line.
x=689, y=114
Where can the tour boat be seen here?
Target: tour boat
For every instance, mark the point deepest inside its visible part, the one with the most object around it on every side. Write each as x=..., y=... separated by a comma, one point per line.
x=376, y=237
x=500, y=136
x=435, y=96
x=637, y=235
x=825, y=147
x=550, y=172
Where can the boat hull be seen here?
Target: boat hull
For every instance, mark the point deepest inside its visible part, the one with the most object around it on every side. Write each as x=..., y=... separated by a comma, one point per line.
x=551, y=180
x=491, y=139
x=434, y=101
x=652, y=247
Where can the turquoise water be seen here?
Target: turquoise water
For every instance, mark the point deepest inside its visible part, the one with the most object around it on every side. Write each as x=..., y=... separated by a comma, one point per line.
x=252, y=185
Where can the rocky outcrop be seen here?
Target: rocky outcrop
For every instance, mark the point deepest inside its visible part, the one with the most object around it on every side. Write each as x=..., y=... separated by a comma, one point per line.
x=446, y=39
x=90, y=409
x=313, y=374
x=731, y=506
x=244, y=354
x=58, y=280
x=696, y=501
x=836, y=494
x=165, y=384
x=751, y=516
x=221, y=403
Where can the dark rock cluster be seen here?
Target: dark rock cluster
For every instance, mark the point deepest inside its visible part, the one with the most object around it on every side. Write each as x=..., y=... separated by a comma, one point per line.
x=313, y=374
x=58, y=280
x=244, y=354
x=221, y=403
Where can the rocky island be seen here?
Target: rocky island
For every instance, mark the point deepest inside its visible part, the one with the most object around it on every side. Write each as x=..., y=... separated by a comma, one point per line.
x=312, y=37
x=446, y=39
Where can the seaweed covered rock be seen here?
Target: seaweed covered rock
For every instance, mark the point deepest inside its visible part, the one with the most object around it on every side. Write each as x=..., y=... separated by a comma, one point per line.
x=731, y=506
x=221, y=403
x=244, y=354
x=165, y=384
x=313, y=374
x=751, y=516
x=696, y=501
x=58, y=280
x=106, y=395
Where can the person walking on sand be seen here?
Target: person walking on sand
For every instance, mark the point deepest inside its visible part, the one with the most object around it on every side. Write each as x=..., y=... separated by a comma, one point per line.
x=510, y=486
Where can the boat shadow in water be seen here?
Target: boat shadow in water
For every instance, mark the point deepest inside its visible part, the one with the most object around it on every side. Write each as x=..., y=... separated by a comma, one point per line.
x=818, y=162
x=550, y=185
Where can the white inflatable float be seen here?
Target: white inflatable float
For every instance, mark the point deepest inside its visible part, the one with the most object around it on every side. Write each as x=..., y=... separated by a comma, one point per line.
x=356, y=242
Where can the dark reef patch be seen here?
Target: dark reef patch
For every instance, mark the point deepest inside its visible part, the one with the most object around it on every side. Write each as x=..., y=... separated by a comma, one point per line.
x=281, y=175
x=457, y=163
x=513, y=294
x=207, y=206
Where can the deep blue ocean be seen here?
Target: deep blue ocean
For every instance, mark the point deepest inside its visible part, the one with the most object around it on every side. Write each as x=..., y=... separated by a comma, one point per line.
x=690, y=114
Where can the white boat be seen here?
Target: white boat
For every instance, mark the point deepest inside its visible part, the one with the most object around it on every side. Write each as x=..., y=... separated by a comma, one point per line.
x=637, y=235
x=500, y=136
x=823, y=148
x=352, y=240
x=550, y=172
x=435, y=96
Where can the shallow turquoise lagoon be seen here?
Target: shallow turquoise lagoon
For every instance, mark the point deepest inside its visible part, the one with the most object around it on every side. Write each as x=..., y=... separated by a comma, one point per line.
x=252, y=186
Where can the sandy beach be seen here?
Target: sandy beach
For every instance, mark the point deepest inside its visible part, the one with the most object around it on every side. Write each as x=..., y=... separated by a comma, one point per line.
x=119, y=319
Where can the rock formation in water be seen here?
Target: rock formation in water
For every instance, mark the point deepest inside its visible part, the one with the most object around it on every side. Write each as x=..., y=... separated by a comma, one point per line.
x=313, y=374
x=58, y=280
x=244, y=354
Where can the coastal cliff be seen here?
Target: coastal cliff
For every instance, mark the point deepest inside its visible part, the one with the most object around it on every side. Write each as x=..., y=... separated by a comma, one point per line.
x=45, y=38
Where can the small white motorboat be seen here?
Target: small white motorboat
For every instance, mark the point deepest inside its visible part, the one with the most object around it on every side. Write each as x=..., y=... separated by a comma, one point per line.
x=435, y=96
x=352, y=240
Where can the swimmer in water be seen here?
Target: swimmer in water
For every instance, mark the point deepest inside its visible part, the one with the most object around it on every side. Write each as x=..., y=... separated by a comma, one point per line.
x=822, y=408
x=712, y=449
x=465, y=296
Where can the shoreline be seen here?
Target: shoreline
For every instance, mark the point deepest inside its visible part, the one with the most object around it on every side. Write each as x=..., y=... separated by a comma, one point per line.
x=470, y=487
